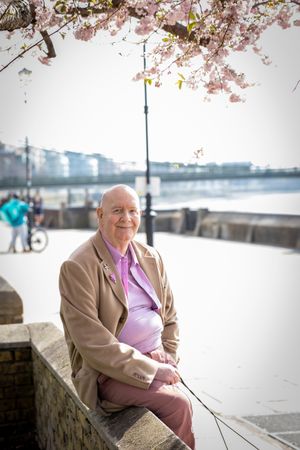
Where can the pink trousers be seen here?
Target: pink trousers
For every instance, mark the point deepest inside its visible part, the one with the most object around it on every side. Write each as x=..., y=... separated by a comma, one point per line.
x=167, y=402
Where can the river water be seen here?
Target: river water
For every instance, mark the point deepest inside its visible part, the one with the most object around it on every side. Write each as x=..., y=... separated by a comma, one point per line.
x=278, y=196
x=260, y=195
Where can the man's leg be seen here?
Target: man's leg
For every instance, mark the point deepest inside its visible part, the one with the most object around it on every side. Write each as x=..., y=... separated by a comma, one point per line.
x=167, y=402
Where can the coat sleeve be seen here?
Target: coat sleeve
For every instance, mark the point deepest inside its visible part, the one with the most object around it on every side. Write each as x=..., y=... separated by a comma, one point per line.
x=98, y=347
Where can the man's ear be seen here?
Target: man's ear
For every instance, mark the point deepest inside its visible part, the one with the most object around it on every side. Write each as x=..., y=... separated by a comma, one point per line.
x=99, y=212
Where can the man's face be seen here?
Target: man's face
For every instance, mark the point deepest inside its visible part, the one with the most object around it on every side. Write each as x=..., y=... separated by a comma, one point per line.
x=119, y=217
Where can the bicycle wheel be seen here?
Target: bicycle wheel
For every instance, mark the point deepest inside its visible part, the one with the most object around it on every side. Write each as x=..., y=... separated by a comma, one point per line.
x=39, y=240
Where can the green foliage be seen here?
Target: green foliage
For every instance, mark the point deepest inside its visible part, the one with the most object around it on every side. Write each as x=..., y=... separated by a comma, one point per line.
x=180, y=81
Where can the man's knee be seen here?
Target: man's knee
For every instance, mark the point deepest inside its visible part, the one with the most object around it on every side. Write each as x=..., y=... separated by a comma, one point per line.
x=183, y=405
x=178, y=404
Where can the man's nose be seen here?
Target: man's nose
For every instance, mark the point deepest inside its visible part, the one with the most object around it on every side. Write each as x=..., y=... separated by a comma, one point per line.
x=126, y=215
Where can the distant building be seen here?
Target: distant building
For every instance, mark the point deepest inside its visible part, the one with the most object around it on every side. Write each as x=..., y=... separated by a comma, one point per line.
x=46, y=163
x=105, y=165
x=12, y=162
x=51, y=163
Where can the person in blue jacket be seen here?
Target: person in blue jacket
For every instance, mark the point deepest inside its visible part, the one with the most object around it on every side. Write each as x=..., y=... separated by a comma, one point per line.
x=14, y=211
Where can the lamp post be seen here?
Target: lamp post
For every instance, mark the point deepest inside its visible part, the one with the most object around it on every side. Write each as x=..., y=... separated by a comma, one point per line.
x=24, y=78
x=28, y=170
x=149, y=212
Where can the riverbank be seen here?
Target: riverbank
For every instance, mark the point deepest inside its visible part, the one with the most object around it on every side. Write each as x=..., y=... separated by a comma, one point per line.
x=269, y=229
x=238, y=307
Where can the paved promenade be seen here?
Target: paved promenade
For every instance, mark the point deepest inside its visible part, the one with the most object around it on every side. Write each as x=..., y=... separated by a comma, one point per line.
x=239, y=309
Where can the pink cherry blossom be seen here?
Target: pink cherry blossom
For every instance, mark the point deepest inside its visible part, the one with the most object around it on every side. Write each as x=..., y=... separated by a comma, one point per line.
x=198, y=37
x=235, y=98
x=84, y=33
x=45, y=60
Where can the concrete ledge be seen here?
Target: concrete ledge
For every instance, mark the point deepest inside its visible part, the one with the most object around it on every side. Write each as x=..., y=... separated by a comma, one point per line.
x=62, y=420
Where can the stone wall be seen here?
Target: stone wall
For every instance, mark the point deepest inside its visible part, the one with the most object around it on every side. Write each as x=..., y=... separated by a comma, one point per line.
x=39, y=401
x=11, y=306
x=269, y=229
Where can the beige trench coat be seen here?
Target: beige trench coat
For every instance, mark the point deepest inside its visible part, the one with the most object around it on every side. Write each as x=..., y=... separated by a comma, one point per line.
x=94, y=310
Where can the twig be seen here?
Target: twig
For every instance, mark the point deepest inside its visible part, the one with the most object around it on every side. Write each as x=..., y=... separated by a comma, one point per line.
x=296, y=86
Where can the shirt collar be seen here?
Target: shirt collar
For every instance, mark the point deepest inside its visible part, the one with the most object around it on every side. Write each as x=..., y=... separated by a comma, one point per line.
x=116, y=255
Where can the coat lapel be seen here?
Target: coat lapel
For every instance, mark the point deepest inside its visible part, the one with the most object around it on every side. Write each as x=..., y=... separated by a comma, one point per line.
x=108, y=268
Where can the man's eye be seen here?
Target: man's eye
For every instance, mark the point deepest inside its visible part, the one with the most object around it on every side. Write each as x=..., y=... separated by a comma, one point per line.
x=116, y=211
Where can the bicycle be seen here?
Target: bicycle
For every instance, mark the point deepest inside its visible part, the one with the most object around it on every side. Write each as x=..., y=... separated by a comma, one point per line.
x=38, y=239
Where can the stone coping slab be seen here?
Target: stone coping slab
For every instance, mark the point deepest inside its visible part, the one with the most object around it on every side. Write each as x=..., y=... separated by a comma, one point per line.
x=14, y=335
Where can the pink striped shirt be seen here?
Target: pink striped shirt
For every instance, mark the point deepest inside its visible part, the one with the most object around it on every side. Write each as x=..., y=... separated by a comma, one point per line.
x=143, y=327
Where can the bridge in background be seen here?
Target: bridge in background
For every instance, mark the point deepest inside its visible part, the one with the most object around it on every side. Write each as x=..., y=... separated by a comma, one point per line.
x=129, y=178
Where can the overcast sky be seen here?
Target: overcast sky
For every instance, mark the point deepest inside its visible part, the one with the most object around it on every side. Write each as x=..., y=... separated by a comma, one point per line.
x=86, y=101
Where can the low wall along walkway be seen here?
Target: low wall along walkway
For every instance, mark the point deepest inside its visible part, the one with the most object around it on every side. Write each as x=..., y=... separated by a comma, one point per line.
x=269, y=229
x=41, y=410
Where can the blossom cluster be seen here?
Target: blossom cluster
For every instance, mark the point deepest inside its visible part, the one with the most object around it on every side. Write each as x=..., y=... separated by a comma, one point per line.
x=195, y=37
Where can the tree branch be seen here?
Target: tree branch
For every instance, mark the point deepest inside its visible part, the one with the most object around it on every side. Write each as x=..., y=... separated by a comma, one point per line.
x=17, y=14
x=296, y=86
x=256, y=5
x=50, y=47
x=35, y=45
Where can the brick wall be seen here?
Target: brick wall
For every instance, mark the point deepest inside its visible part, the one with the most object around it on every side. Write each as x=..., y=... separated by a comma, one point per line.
x=17, y=412
x=60, y=422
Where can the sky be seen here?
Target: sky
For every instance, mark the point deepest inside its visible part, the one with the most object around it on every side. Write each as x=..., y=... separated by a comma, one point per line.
x=86, y=101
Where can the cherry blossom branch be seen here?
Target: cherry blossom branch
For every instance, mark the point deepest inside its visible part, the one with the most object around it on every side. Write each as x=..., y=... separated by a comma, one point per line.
x=210, y=32
x=20, y=55
x=256, y=5
x=50, y=47
x=177, y=29
x=222, y=41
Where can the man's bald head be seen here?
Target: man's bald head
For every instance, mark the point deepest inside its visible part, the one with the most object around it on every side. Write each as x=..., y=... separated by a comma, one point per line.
x=109, y=193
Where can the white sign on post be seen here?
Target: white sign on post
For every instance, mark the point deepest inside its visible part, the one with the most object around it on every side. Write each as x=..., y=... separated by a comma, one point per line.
x=141, y=186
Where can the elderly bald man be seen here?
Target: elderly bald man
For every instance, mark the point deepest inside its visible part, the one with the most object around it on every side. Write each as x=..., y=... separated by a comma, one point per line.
x=120, y=321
